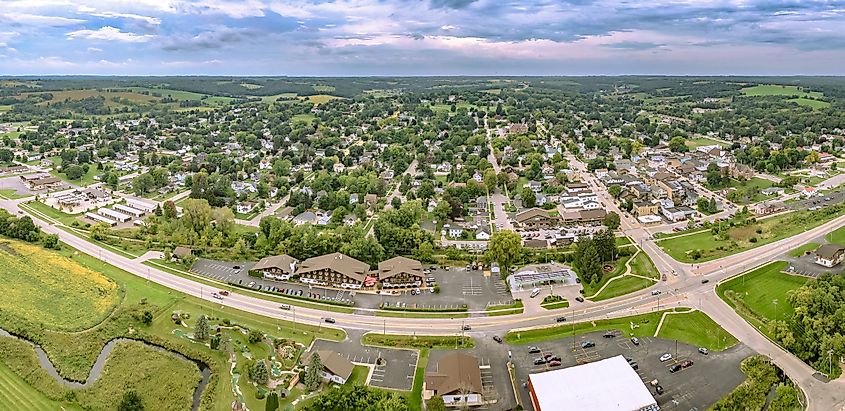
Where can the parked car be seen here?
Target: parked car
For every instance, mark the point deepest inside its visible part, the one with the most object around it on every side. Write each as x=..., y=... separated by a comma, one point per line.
x=251, y=283
x=634, y=365
x=539, y=361
x=554, y=363
x=635, y=340
x=560, y=319
x=609, y=335
x=533, y=350
x=675, y=368
x=588, y=344
x=329, y=320
x=497, y=339
x=704, y=351
x=579, y=299
x=658, y=389
x=535, y=292
x=665, y=357
x=686, y=364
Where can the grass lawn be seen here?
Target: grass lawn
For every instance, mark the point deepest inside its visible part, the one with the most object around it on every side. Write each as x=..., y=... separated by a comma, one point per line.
x=358, y=376
x=16, y=393
x=44, y=209
x=303, y=118
x=623, y=241
x=739, y=238
x=798, y=252
x=694, y=143
x=52, y=290
x=419, y=314
x=644, y=325
x=618, y=269
x=836, y=236
x=86, y=179
x=515, y=308
x=11, y=194
x=696, y=328
x=437, y=342
x=642, y=265
x=778, y=90
x=757, y=290
x=621, y=286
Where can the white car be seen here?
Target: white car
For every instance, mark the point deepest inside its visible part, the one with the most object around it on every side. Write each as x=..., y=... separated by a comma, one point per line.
x=217, y=296
x=665, y=357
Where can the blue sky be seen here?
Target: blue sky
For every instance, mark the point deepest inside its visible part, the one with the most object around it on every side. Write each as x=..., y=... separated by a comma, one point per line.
x=422, y=37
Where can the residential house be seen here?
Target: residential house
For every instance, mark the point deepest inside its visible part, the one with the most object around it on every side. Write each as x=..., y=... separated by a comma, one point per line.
x=452, y=230
x=336, y=368
x=830, y=255
x=482, y=233
x=245, y=207
x=457, y=379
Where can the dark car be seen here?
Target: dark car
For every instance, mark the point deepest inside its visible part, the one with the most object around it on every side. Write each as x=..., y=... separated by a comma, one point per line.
x=533, y=350
x=497, y=339
x=588, y=344
x=237, y=267
x=705, y=281
x=466, y=328
x=329, y=320
x=686, y=364
x=675, y=368
x=634, y=365
x=560, y=319
x=579, y=299
x=658, y=389
x=609, y=335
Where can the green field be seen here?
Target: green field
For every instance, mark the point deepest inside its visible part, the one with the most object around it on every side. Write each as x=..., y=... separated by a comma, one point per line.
x=740, y=238
x=624, y=285
x=11, y=194
x=809, y=247
x=86, y=179
x=52, y=290
x=696, y=328
x=320, y=98
x=814, y=104
x=303, y=118
x=778, y=90
x=358, y=376
x=758, y=290
x=4, y=108
x=618, y=269
x=694, y=143
x=185, y=95
x=507, y=309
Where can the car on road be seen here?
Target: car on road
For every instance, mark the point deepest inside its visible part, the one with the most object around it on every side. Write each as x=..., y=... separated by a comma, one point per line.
x=466, y=328
x=656, y=292
x=635, y=340
x=665, y=357
x=588, y=344
x=579, y=299
x=705, y=281
x=329, y=320
x=535, y=292
x=285, y=307
x=223, y=292
x=217, y=296
x=497, y=339
x=533, y=350
x=560, y=319
x=704, y=350
x=675, y=368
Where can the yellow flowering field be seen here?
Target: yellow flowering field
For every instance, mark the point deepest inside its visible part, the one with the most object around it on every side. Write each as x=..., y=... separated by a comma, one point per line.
x=44, y=287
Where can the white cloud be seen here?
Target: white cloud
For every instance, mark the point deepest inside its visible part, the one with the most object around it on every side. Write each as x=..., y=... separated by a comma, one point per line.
x=237, y=9
x=155, y=21
x=94, y=50
x=287, y=9
x=109, y=33
x=38, y=20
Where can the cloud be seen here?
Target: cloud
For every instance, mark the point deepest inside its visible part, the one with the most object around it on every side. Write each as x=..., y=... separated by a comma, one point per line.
x=26, y=19
x=213, y=39
x=154, y=21
x=109, y=33
x=633, y=45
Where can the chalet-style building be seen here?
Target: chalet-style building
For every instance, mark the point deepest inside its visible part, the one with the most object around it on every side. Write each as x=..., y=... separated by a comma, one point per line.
x=400, y=272
x=336, y=270
x=277, y=267
x=536, y=218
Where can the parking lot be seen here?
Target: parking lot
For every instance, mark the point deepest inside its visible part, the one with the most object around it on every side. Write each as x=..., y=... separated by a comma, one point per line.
x=806, y=266
x=697, y=387
x=395, y=372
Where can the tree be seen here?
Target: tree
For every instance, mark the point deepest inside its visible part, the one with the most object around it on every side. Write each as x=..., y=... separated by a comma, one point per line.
x=272, y=403
x=147, y=317
x=529, y=199
x=490, y=179
x=435, y=403
x=169, y=210
x=505, y=247
x=678, y=145
x=312, y=373
x=395, y=202
x=51, y=241
x=201, y=329
x=615, y=190
x=130, y=402
x=254, y=336
x=587, y=261
x=259, y=373
x=74, y=172
x=611, y=220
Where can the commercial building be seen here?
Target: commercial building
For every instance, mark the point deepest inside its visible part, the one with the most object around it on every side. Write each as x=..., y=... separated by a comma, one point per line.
x=336, y=270
x=399, y=272
x=457, y=379
x=114, y=215
x=129, y=210
x=536, y=218
x=830, y=255
x=539, y=274
x=277, y=267
x=608, y=385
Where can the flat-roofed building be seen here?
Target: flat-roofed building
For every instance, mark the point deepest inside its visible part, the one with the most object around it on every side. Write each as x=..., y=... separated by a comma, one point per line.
x=129, y=210
x=114, y=215
x=101, y=219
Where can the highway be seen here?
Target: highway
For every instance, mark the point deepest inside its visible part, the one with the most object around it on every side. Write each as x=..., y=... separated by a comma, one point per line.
x=683, y=288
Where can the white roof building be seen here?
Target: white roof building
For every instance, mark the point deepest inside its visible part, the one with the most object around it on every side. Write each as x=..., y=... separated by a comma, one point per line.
x=608, y=385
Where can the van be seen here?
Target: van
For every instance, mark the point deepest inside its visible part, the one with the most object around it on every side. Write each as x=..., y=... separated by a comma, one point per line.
x=535, y=292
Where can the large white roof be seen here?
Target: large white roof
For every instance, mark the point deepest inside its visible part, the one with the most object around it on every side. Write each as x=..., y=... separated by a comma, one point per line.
x=609, y=384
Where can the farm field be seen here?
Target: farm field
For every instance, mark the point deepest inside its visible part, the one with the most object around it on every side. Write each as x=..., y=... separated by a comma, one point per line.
x=757, y=290
x=184, y=95
x=53, y=290
x=320, y=98
x=815, y=104
x=694, y=143
x=740, y=238
x=778, y=90
x=132, y=97
x=15, y=391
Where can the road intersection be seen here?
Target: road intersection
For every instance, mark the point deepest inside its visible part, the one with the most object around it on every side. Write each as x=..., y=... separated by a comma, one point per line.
x=683, y=288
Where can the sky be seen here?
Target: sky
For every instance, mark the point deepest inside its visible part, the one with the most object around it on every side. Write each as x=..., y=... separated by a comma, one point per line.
x=421, y=37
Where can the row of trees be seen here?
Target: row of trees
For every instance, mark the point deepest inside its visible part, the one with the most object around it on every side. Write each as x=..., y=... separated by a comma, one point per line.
x=592, y=253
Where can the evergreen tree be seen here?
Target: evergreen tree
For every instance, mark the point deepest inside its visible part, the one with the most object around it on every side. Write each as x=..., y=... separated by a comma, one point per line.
x=130, y=402
x=312, y=374
x=201, y=329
